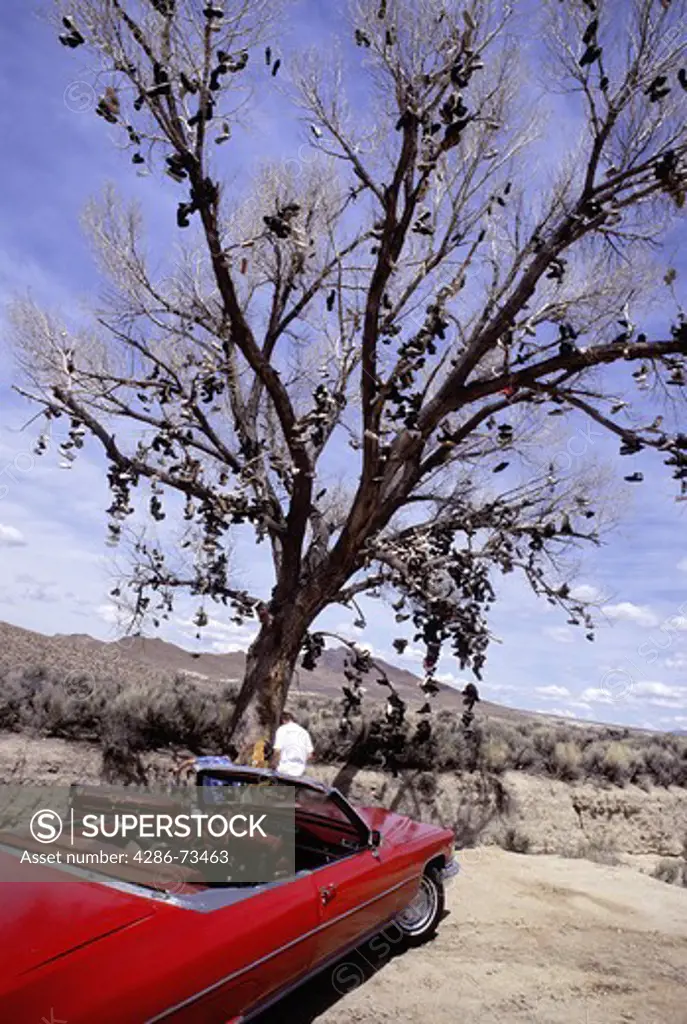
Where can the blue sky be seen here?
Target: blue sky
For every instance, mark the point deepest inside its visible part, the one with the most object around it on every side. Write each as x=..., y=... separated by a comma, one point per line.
x=55, y=571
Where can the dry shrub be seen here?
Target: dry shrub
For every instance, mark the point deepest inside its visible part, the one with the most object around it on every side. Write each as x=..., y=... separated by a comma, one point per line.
x=671, y=870
x=35, y=701
x=126, y=717
x=599, y=850
x=495, y=756
x=617, y=763
x=567, y=758
x=515, y=841
x=427, y=786
x=666, y=763
x=131, y=707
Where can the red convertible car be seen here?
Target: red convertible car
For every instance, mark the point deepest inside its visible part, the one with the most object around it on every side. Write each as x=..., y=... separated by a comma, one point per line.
x=116, y=951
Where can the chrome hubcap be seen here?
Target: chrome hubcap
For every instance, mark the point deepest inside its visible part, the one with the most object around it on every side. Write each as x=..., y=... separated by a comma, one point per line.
x=418, y=914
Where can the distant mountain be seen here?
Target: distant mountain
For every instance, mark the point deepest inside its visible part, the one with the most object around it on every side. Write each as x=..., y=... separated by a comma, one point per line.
x=167, y=656
x=152, y=658
x=327, y=678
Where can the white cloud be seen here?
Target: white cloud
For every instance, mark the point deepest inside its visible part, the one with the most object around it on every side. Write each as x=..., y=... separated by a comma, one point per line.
x=552, y=691
x=644, y=692
x=558, y=712
x=218, y=647
x=223, y=637
x=626, y=611
x=455, y=682
x=586, y=592
x=348, y=630
x=366, y=647
x=660, y=695
x=11, y=537
x=682, y=565
x=678, y=661
x=648, y=688
x=581, y=704
x=677, y=622
x=501, y=687
x=561, y=634
x=594, y=695
x=413, y=654
x=109, y=613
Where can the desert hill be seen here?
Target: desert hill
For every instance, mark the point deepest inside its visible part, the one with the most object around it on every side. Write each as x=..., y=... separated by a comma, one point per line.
x=21, y=648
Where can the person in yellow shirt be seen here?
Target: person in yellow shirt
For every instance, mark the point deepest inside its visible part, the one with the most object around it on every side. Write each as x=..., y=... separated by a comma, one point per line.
x=259, y=755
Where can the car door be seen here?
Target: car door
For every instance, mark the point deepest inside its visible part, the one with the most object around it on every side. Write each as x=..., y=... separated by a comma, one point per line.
x=360, y=891
x=271, y=950
x=356, y=898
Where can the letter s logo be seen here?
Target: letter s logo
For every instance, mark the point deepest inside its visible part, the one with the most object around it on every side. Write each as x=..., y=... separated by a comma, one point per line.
x=46, y=826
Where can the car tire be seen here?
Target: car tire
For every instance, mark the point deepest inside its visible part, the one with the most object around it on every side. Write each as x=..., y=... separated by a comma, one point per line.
x=420, y=919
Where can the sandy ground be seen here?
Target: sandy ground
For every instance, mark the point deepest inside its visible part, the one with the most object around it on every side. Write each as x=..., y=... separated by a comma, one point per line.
x=542, y=940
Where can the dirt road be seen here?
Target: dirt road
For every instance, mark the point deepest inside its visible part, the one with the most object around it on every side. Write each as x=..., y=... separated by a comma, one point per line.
x=540, y=940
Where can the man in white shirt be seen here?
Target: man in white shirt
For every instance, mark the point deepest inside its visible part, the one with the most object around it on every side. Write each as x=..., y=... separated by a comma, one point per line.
x=292, y=747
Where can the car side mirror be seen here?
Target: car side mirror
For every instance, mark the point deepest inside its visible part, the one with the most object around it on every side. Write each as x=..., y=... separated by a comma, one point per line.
x=375, y=838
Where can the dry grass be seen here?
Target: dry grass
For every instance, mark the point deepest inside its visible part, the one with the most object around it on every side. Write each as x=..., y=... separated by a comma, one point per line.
x=601, y=851
x=515, y=840
x=671, y=870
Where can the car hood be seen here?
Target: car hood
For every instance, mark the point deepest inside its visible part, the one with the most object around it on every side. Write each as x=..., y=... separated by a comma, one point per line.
x=45, y=919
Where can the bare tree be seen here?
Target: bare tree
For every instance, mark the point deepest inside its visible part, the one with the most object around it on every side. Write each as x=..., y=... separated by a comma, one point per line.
x=344, y=357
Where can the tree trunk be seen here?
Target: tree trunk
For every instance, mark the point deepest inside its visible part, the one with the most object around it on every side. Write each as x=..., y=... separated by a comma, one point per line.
x=272, y=657
x=270, y=663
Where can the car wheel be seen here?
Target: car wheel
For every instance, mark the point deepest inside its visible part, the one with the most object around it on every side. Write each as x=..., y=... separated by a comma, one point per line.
x=420, y=919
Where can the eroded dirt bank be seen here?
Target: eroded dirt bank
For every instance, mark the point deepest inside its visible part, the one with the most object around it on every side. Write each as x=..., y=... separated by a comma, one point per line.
x=551, y=816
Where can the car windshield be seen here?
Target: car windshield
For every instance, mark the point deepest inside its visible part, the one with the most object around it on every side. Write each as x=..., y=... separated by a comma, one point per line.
x=311, y=802
x=320, y=804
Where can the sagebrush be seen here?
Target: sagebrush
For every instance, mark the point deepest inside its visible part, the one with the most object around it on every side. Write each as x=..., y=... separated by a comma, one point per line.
x=131, y=709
